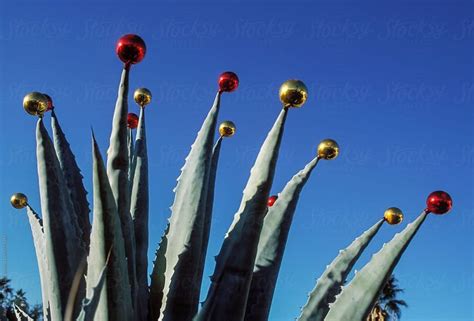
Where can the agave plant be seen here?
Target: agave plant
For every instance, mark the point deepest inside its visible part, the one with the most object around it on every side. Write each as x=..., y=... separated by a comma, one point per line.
x=100, y=271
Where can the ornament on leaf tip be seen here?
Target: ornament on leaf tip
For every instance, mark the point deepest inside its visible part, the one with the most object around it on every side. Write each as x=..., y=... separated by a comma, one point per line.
x=35, y=103
x=131, y=49
x=393, y=215
x=228, y=81
x=19, y=200
x=132, y=120
x=328, y=149
x=142, y=96
x=439, y=202
x=271, y=200
x=293, y=93
x=227, y=129
x=50, y=102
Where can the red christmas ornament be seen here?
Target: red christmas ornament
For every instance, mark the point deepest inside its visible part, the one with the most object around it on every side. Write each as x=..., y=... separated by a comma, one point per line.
x=272, y=200
x=131, y=49
x=228, y=81
x=132, y=120
x=439, y=202
x=50, y=102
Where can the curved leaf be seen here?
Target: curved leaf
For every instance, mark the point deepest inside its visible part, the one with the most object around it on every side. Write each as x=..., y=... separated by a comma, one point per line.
x=117, y=171
x=62, y=236
x=73, y=178
x=271, y=245
x=185, y=236
x=227, y=296
x=139, y=211
x=115, y=298
x=359, y=296
x=331, y=281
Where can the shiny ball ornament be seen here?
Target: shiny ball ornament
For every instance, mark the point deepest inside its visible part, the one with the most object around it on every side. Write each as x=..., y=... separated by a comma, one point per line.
x=142, y=96
x=393, y=215
x=271, y=200
x=293, y=93
x=50, y=102
x=439, y=202
x=35, y=103
x=132, y=120
x=19, y=200
x=227, y=129
x=328, y=149
x=228, y=81
x=131, y=49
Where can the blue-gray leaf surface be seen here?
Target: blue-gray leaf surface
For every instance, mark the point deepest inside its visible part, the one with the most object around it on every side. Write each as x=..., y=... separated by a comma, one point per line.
x=359, y=296
x=271, y=245
x=331, y=281
x=73, y=178
x=227, y=296
x=139, y=210
x=36, y=225
x=62, y=235
x=90, y=304
x=185, y=236
x=118, y=171
x=157, y=283
x=115, y=302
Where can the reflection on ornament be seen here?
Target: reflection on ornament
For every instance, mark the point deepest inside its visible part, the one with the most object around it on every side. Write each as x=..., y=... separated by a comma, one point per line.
x=142, y=96
x=35, y=103
x=293, y=93
x=328, y=149
x=393, y=215
x=227, y=129
x=228, y=81
x=50, y=102
x=271, y=200
x=439, y=202
x=132, y=120
x=131, y=49
x=19, y=200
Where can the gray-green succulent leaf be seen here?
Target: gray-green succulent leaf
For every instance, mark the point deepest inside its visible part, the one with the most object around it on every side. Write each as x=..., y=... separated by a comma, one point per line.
x=227, y=296
x=185, y=236
x=272, y=243
x=330, y=283
x=115, y=302
x=359, y=296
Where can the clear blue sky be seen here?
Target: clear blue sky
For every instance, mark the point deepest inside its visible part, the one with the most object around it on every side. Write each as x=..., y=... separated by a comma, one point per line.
x=392, y=83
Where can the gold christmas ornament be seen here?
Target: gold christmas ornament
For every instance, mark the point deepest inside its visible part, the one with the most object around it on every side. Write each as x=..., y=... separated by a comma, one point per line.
x=142, y=96
x=293, y=93
x=35, y=103
x=227, y=129
x=393, y=215
x=328, y=149
x=19, y=200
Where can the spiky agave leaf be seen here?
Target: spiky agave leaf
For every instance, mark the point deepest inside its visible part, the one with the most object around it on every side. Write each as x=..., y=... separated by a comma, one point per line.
x=131, y=157
x=185, y=236
x=139, y=210
x=271, y=245
x=91, y=303
x=158, y=277
x=209, y=204
x=358, y=297
x=331, y=281
x=20, y=314
x=62, y=235
x=73, y=178
x=117, y=171
x=115, y=302
x=227, y=296
x=36, y=225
